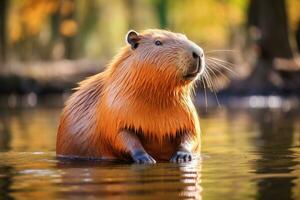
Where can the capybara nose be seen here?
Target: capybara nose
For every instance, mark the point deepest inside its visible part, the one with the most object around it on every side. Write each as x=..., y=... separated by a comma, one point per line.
x=198, y=60
x=195, y=55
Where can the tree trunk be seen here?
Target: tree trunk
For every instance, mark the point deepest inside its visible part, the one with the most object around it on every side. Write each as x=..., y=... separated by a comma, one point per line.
x=3, y=8
x=161, y=7
x=268, y=28
x=69, y=40
x=297, y=35
x=270, y=20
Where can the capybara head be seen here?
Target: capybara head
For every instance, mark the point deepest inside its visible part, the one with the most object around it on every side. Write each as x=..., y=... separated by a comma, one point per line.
x=171, y=56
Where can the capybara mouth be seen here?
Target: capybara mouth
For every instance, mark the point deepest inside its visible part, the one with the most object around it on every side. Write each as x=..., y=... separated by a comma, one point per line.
x=193, y=71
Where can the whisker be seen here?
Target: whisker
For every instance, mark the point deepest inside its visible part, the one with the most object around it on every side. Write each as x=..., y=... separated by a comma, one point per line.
x=210, y=69
x=212, y=87
x=214, y=68
x=210, y=82
x=194, y=90
x=204, y=86
x=219, y=105
x=207, y=78
x=220, y=50
x=222, y=65
x=223, y=61
x=213, y=74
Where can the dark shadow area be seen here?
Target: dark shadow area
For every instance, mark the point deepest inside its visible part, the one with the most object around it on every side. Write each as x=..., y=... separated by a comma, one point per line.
x=276, y=137
x=5, y=182
x=5, y=132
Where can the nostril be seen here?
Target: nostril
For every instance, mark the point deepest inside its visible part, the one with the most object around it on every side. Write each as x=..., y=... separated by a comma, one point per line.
x=195, y=55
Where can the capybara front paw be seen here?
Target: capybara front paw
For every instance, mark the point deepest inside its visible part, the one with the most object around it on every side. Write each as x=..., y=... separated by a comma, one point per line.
x=181, y=157
x=143, y=158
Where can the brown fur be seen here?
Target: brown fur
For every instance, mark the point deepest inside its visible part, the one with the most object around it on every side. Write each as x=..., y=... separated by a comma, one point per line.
x=141, y=90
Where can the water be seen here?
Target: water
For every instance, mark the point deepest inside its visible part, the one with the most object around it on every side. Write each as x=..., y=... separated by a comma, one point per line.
x=247, y=153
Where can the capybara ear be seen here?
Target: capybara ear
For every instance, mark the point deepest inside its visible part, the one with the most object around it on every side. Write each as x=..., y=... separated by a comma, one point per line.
x=133, y=38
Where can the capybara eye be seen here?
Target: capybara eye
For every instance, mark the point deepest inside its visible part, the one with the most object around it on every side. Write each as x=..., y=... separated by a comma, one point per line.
x=158, y=43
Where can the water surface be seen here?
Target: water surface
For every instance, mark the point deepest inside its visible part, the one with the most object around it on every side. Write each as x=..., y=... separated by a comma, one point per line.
x=246, y=154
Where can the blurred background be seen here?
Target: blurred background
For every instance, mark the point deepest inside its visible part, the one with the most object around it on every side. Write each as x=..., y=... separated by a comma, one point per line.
x=252, y=48
x=47, y=46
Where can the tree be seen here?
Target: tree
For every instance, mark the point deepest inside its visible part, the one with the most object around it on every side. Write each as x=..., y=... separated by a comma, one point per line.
x=68, y=27
x=3, y=8
x=162, y=8
x=275, y=71
x=270, y=19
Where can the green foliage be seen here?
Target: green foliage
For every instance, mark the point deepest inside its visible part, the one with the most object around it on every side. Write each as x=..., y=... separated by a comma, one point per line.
x=97, y=27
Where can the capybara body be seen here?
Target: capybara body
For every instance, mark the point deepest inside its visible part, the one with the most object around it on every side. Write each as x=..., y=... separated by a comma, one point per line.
x=140, y=108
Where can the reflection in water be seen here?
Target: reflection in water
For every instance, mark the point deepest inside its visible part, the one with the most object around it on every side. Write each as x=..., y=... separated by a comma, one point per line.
x=247, y=154
x=276, y=160
x=192, y=176
x=5, y=182
x=5, y=136
x=121, y=180
x=28, y=129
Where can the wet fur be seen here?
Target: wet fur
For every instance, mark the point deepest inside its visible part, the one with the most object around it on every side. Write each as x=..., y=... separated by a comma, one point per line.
x=131, y=94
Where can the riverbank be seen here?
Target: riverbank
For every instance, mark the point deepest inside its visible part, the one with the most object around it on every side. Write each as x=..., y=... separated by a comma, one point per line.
x=40, y=78
x=59, y=77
